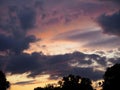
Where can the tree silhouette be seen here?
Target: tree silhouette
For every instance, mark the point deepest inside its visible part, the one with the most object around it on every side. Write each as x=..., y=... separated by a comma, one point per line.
x=112, y=78
x=86, y=84
x=48, y=87
x=70, y=82
x=4, y=84
x=39, y=88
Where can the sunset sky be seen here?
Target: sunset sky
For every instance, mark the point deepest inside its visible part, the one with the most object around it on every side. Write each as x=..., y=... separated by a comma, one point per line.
x=44, y=40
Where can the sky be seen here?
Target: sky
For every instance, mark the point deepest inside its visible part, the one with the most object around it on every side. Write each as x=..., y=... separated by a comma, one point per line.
x=43, y=40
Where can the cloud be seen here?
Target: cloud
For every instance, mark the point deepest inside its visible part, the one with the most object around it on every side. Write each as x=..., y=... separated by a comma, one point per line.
x=89, y=38
x=56, y=11
x=105, y=43
x=15, y=45
x=16, y=2
x=85, y=72
x=25, y=63
x=56, y=66
x=27, y=18
x=23, y=18
x=79, y=35
x=14, y=27
x=62, y=12
x=1, y=1
x=24, y=82
x=88, y=72
x=114, y=1
x=110, y=23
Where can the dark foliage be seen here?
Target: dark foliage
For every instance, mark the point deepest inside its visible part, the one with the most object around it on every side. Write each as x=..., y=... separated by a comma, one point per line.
x=70, y=82
x=112, y=78
x=4, y=84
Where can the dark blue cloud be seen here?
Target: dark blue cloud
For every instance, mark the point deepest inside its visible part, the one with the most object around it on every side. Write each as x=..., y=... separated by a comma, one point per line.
x=16, y=25
x=116, y=1
x=110, y=23
x=55, y=65
x=15, y=45
x=113, y=1
x=27, y=18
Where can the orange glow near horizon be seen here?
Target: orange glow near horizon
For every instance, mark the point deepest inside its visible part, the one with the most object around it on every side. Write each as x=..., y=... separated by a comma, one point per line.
x=39, y=81
x=31, y=86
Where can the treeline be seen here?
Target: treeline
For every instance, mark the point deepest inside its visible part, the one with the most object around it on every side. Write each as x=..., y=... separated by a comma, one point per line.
x=111, y=81
x=4, y=84
x=70, y=82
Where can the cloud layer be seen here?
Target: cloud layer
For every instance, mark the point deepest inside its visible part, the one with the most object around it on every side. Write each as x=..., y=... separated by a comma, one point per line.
x=88, y=65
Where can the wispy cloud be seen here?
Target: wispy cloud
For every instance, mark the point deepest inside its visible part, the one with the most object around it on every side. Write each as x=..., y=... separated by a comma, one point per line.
x=24, y=82
x=89, y=38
